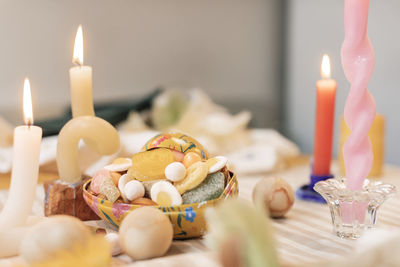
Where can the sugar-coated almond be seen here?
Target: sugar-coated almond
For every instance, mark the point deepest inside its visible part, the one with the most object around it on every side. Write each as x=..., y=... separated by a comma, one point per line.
x=133, y=190
x=121, y=185
x=175, y=172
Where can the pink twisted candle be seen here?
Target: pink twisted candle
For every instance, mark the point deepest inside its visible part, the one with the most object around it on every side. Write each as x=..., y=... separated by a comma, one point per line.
x=358, y=62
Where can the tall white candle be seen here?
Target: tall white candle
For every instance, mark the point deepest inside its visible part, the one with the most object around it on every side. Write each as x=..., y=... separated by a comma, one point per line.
x=25, y=168
x=81, y=81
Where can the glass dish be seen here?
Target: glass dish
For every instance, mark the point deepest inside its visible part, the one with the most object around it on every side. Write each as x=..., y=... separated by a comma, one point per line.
x=353, y=212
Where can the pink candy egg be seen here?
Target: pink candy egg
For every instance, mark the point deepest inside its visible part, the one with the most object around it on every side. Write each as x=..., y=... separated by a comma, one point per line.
x=98, y=179
x=178, y=156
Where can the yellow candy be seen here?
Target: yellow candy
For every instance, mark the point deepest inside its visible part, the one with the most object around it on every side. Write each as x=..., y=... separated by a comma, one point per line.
x=150, y=165
x=195, y=175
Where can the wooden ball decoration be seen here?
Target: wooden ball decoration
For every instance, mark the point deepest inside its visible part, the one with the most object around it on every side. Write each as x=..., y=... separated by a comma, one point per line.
x=275, y=194
x=146, y=233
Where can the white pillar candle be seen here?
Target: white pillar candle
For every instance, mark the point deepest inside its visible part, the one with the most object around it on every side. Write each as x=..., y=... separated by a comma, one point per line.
x=25, y=169
x=81, y=81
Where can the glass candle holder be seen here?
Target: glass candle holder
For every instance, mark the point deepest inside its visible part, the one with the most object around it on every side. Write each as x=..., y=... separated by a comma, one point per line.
x=353, y=211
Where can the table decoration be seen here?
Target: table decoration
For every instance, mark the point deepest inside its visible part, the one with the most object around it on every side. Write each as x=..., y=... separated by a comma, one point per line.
x=81, y=81
x=64, y=241
x=358, y=61
x=325, y=115
x=303, y=237
x=25, y=168
x=353, y=211
x=113, y=240
x=14, y=221
x=206, y=183
x=354, y=201
x=64, y=196
x=376, y=135
x=146, y=233
x=241, y=235
x=276, y=195
x=90, y=128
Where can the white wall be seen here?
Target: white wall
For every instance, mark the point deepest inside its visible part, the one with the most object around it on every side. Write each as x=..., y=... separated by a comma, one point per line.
x=228, y=47
x=316, y=27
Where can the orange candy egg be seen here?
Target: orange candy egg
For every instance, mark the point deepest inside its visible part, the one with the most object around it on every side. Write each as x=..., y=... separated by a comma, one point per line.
x=191, y=158
x=115, y=177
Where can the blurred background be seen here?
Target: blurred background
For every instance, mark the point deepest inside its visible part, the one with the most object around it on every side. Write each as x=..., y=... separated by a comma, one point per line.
x=259, y=55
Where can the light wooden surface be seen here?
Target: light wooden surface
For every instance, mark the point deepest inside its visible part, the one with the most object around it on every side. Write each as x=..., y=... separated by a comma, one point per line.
x=303, y=237
x=43, y=177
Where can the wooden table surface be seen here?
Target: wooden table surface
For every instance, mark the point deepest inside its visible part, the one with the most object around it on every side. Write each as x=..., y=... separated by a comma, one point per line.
x=303, y=237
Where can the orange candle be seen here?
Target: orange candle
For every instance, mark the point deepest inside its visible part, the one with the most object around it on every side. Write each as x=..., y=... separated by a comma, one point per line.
x=326, y=94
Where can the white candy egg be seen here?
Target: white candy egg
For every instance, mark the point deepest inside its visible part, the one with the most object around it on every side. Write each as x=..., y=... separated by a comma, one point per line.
x=217, y=163
x=113, y=239
x=133, y=190
x=119, y=165
x=175, y=171
x=165, y=194
x=121, y=185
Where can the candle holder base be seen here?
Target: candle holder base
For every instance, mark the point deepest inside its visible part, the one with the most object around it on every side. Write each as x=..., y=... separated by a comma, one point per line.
x=353, y=212
x=64, y=198
x=307, y=192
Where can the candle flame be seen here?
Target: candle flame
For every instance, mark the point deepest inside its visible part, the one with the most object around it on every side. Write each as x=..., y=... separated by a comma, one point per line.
x=326, y=67
x=27, y=103
x=78, y=47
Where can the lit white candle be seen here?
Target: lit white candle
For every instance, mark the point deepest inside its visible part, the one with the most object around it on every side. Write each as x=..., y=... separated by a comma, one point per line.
x=25, y=168
x=81, y=81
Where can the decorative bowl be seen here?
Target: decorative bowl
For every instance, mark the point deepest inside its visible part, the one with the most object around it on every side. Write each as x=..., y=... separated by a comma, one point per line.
x=188, y=220
x=176, y=141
